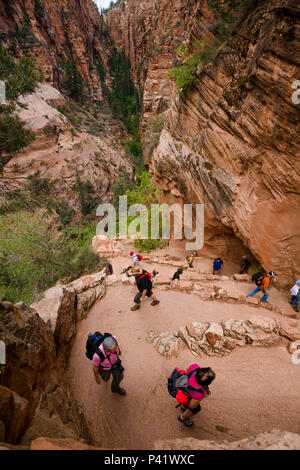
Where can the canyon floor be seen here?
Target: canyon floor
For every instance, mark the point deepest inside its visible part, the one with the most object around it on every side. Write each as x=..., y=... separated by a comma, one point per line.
x=255, y=390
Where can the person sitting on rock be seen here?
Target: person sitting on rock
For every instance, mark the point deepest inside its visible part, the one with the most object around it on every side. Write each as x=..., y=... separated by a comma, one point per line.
x=108, y=363
x=295, y=296
x=176, y=277
x=245, y=265
x=217, y=265
x=199, y=382
x=262, y=285
x=144, y=284
x=109, y=269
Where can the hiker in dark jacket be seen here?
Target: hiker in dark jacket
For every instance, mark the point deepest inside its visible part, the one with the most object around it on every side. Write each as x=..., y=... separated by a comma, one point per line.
x=176, y=277
x=245, y=264
x=109, y=364
x=144, y=284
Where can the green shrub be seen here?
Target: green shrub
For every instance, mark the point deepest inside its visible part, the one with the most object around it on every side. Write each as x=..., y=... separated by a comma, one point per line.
x=189, y=61
x=73, y=81
x=32, y=259
x=20, y=77
x=13, y=134
x=86, y=194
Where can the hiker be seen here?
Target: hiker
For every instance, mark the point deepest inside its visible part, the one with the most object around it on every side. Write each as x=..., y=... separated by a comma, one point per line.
x=262, y=281
x=136, y=258
x=109, y=269
x=106, y=362
x=190, y=388
x=190, y=259
x=154, y=274
x=217, y=265
x=144, y=284
x=125, y=271
x=245, y=265
x=295, y=296
x=176, y=277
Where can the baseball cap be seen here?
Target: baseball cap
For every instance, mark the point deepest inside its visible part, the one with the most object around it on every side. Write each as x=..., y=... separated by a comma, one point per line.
x=272, y=273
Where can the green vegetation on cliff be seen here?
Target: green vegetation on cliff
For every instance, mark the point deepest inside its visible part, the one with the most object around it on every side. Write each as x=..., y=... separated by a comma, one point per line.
x=124, y=102
x=145, y=193
x=191, y=58
x=33, y=256
x=20, y=77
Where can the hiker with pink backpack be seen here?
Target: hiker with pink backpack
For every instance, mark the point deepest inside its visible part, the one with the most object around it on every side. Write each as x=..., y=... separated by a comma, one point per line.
x=189, y=388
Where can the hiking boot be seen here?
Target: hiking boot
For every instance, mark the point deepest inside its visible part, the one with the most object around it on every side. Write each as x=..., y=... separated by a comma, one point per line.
x=136, y=307
x=155, y=302
x=187, y=422
x=295, y=308
x=120, y=391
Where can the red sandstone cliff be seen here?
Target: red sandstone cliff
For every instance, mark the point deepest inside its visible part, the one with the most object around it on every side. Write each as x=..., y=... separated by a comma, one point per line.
x=56, y=32
x=232, y=142
x=149, y=31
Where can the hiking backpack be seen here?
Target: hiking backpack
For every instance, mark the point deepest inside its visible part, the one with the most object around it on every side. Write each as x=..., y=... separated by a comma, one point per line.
x=144, y=274
x=92, y=345
x=178, y=386
x=258, y=278
x=139, y=257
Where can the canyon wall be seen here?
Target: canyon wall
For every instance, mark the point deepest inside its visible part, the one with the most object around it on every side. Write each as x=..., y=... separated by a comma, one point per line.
x=35, y=396
x=230, y=141
x=55, y=33
x=149, y=31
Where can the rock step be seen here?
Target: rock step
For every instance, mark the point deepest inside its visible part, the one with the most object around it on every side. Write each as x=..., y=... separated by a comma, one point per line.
x=220, y=338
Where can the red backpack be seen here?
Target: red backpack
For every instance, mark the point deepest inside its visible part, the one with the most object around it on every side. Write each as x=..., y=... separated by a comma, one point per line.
x=139, y=257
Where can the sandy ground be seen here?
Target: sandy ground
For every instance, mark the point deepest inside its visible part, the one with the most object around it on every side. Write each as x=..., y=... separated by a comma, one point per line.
x=255, y=390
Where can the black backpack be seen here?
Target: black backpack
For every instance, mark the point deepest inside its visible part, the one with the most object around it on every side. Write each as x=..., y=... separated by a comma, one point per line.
x=92, y=344
x=258, y=278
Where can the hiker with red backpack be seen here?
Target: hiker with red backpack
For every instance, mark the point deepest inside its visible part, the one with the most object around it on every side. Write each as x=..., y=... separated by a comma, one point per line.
x=104, y=351
x=262, y=280
x=136, y=258
x=143, y=281
x=189, y=388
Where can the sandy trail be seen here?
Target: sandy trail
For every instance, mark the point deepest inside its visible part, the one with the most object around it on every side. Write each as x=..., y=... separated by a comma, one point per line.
x=255, y=389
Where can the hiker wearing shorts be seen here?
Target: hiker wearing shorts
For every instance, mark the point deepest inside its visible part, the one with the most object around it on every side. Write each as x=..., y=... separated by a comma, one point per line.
x=144, y=284
x=109, y=363
x=200, y=379
x=176, y=277
x=295, y=296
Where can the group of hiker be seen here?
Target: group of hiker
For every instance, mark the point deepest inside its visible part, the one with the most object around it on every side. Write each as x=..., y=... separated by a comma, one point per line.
x=261, y=279
x=188, y=387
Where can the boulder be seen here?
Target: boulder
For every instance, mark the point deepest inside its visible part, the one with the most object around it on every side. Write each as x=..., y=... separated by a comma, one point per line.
x=289, y=328
x=14, y=414
x=271, y=440
x=103, y=244
x=242, y=277
x=57, y=300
